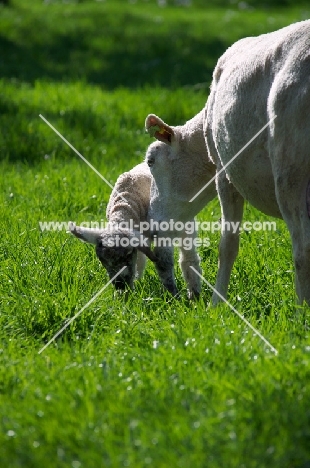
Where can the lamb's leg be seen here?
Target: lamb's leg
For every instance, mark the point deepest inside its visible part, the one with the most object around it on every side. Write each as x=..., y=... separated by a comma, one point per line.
x=140, y=265
x=232, y=211
x=165, y=268
x=189, y=258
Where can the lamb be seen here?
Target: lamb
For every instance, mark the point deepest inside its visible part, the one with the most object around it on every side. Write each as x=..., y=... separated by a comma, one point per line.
x=259, y=80
x=120, y=243
x=180, y=167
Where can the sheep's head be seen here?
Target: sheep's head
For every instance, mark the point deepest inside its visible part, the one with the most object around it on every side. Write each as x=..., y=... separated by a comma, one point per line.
x=181, y=142
x=160, y=153
x=180, y=166
x=115, y=249
x=114, y=252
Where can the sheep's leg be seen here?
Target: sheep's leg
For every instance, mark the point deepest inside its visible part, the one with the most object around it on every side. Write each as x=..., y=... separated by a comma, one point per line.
x=301, y=253
x=140, y=264
x=289, y=152
x=189, y=258
x=293, y=195
x=165, y=268
x=232, y=211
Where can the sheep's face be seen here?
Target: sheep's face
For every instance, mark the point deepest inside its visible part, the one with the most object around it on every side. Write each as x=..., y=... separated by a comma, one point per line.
x=114, y=252
x=158, y=157
x=115, y=249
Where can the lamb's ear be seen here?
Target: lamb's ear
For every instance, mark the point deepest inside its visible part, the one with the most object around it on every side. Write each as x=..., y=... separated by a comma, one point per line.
x=159, y=129
x=85, y=234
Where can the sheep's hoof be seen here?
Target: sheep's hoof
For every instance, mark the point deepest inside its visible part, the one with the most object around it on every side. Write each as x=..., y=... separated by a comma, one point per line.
x=174, y=293
x=193, y=295
x=216, y=300
x=122, y=294
x=177, y=296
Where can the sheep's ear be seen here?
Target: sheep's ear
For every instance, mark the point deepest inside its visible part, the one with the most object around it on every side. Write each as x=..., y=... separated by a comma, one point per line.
x=158, y=129
x=85, y=234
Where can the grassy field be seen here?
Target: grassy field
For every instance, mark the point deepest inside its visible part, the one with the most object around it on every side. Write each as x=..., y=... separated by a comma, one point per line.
x=150, y=381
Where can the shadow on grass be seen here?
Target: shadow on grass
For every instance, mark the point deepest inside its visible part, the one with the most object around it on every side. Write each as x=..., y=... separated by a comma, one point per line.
x=24, y=137
x=126, y=50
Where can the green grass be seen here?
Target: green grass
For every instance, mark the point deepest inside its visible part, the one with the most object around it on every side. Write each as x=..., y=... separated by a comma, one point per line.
x=121, y=43
x=150, y=381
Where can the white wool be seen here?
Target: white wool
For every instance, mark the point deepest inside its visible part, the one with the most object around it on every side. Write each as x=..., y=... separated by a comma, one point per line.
x=257, y=80
x=130, y=196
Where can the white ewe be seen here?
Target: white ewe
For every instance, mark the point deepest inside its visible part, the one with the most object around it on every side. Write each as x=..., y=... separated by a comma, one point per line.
x=257, y=80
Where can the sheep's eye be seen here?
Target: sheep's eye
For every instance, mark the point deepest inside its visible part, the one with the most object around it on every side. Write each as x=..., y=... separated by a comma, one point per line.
x=150, y=161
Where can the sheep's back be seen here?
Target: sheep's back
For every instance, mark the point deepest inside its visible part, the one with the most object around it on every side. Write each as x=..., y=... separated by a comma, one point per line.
x=130, y=197
x=252, y=82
